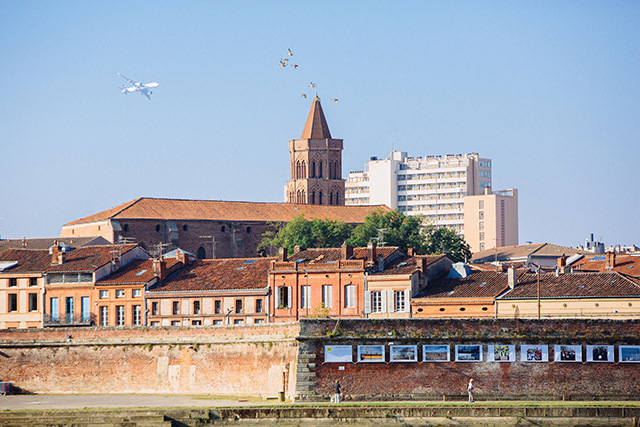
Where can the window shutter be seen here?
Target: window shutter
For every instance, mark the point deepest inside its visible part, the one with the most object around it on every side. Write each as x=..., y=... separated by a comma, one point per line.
x=289, y=297
x=383, y=296
x=277, y=297
x=407, y=301
x=329, y=296
x=352, y=296
x=391, y=302
x=367, y=301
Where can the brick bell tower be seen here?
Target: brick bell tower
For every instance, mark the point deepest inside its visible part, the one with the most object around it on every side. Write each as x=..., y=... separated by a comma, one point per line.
x=316, y=163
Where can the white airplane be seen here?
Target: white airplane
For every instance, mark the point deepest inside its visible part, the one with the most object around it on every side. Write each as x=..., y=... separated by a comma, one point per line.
x=142, y=88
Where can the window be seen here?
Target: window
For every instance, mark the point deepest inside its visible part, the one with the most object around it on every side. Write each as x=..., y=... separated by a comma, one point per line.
x=485, y=174
x=196, y=307
x=126, y=227
x=185, y=227
x=327, y=296
x=104, y=315
x=350, y=296
x=13, y=282
x=481, y=236
x=175, y=307
x=137, y=315
x=283, y=297
x=104, y=294
x=238, y=321
x=305, y=298
x=154, y=308
x=481, y=225
x=222, y=229
x=482, y=246
x=119, y=315
x=248, y=230
x=218, y=306
x=119, y=293
x=481, y=214
x=196, y=323
x=217, y=322
x=238, y=306
x=376, y=301
x=53, y=302
x=258, y=306
x=12, y=303
x=400, y=303
x=481, y=204
x=258, y=321
x=155, y=323
x=69, y=309
x=33, y=281
x=137, y=293
x=175, y=323
x=157, y=227
x=202, y=253
x=33, y=301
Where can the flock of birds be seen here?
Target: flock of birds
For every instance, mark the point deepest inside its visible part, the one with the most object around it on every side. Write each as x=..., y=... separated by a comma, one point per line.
x=284, y=62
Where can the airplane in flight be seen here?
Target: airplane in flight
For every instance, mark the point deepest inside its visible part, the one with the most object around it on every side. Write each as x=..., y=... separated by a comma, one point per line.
x=142, y=88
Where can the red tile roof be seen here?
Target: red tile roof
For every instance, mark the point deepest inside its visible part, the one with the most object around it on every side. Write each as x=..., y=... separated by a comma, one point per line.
x=88, y=258
x=625, y=264
x=316, y=126
x=478, y=284
x=331, y=255
x=406, y=265
x=219, y=275
x=216, y=210
x=29, y=260
x=136, y=272
x=576, y=285
x=519, y=252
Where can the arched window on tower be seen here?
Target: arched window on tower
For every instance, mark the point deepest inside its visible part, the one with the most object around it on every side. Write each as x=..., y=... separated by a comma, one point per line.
x=313, y=198
x=320, y=170
x=202, y=254
x=320, y=198
x=313, y=169
x=337, y=198
x=330, y=198
x=304, y=197
x=304, y=169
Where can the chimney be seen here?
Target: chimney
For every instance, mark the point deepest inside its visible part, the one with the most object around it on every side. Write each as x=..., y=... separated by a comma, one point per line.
x=282, y=254
x=611, y=260
x=380, y=262
x=181, y=257
x=562, y=261
x=57, y=254
x=297, y=248
x=512, y=277
x=347, y=251
x=371, y=252
x=411, y=251
x=159, y=268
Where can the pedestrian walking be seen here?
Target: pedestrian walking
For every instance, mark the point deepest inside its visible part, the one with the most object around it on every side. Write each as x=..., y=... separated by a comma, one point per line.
x=336, y=392
x=471, y=389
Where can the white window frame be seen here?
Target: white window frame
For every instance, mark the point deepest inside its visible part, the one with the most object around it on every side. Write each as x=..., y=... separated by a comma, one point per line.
x=119, y=315
x=350, y=296
x=104, y=294
x=305, y=296
x=136, y=293
x=120, y=293
x=137, y=315
x=279, y=296
x=104, y=315
x=327, y=296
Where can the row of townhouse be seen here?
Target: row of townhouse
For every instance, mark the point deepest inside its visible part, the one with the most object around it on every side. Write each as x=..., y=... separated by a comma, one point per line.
x=121, y=285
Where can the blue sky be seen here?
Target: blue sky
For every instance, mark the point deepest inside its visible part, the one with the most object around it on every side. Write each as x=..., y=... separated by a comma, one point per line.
x=548, y=90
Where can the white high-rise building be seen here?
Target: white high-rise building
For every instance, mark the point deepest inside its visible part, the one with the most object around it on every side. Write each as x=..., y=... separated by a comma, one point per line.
x=433, y=186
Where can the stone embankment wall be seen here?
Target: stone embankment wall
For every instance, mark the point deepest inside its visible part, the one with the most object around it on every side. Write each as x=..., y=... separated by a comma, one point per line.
x=257, y=360
x=433, y=380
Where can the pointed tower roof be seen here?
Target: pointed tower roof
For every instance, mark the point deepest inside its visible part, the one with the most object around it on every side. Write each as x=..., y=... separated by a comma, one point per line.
x=316, y=126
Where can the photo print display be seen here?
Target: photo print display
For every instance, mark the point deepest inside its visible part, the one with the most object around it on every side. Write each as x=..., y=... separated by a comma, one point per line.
x=371, y=353
x=567, y=353
x=468, y=353
x=435, y=353
x=338, y=354
x=403, y=353
x=600, y=353
x=629, y=353
x=502, y=353
x=534, y=353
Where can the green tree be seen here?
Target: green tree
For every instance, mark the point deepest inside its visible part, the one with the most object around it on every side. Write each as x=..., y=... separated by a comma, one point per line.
x=308, y=234
x=394, y=228
x=442, y=240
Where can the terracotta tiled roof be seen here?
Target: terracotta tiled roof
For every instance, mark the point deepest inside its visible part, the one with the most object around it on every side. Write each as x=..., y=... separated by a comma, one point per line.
x=215, y=210
x=29, y=260
x=406, y=265
x=518, y=252
x=47, y=242
x=136, y=272
x=576, y=285
x=478, y=284
x=331, y=255
x=88, y=258
x=219, y=274
x=316, y=126
x=625, y=264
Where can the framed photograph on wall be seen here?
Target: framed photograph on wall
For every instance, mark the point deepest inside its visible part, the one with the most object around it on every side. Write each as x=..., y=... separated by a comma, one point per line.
x=371, y=353
x=469, y=353
x=600, y=353
x=403, y=353
x=501, y=353
x=567, y=353
x=629, y=353
x=534, y=353
x=338, y=354
x=436, y=353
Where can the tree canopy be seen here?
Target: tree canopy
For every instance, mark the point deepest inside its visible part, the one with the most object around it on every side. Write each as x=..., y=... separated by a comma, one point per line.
x=386, y=229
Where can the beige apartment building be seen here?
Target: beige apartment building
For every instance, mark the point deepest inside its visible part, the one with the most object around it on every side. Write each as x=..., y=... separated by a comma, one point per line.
x=491, y=219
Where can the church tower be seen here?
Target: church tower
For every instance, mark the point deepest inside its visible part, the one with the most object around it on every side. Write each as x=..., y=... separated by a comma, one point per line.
x=316, y=163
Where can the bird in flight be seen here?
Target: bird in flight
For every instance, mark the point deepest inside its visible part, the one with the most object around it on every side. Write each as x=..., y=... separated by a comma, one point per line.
x=335, y=100
x=304, y=95
x=282, y=63
x=312, y=84
x=289, y=52
x=295, y=66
